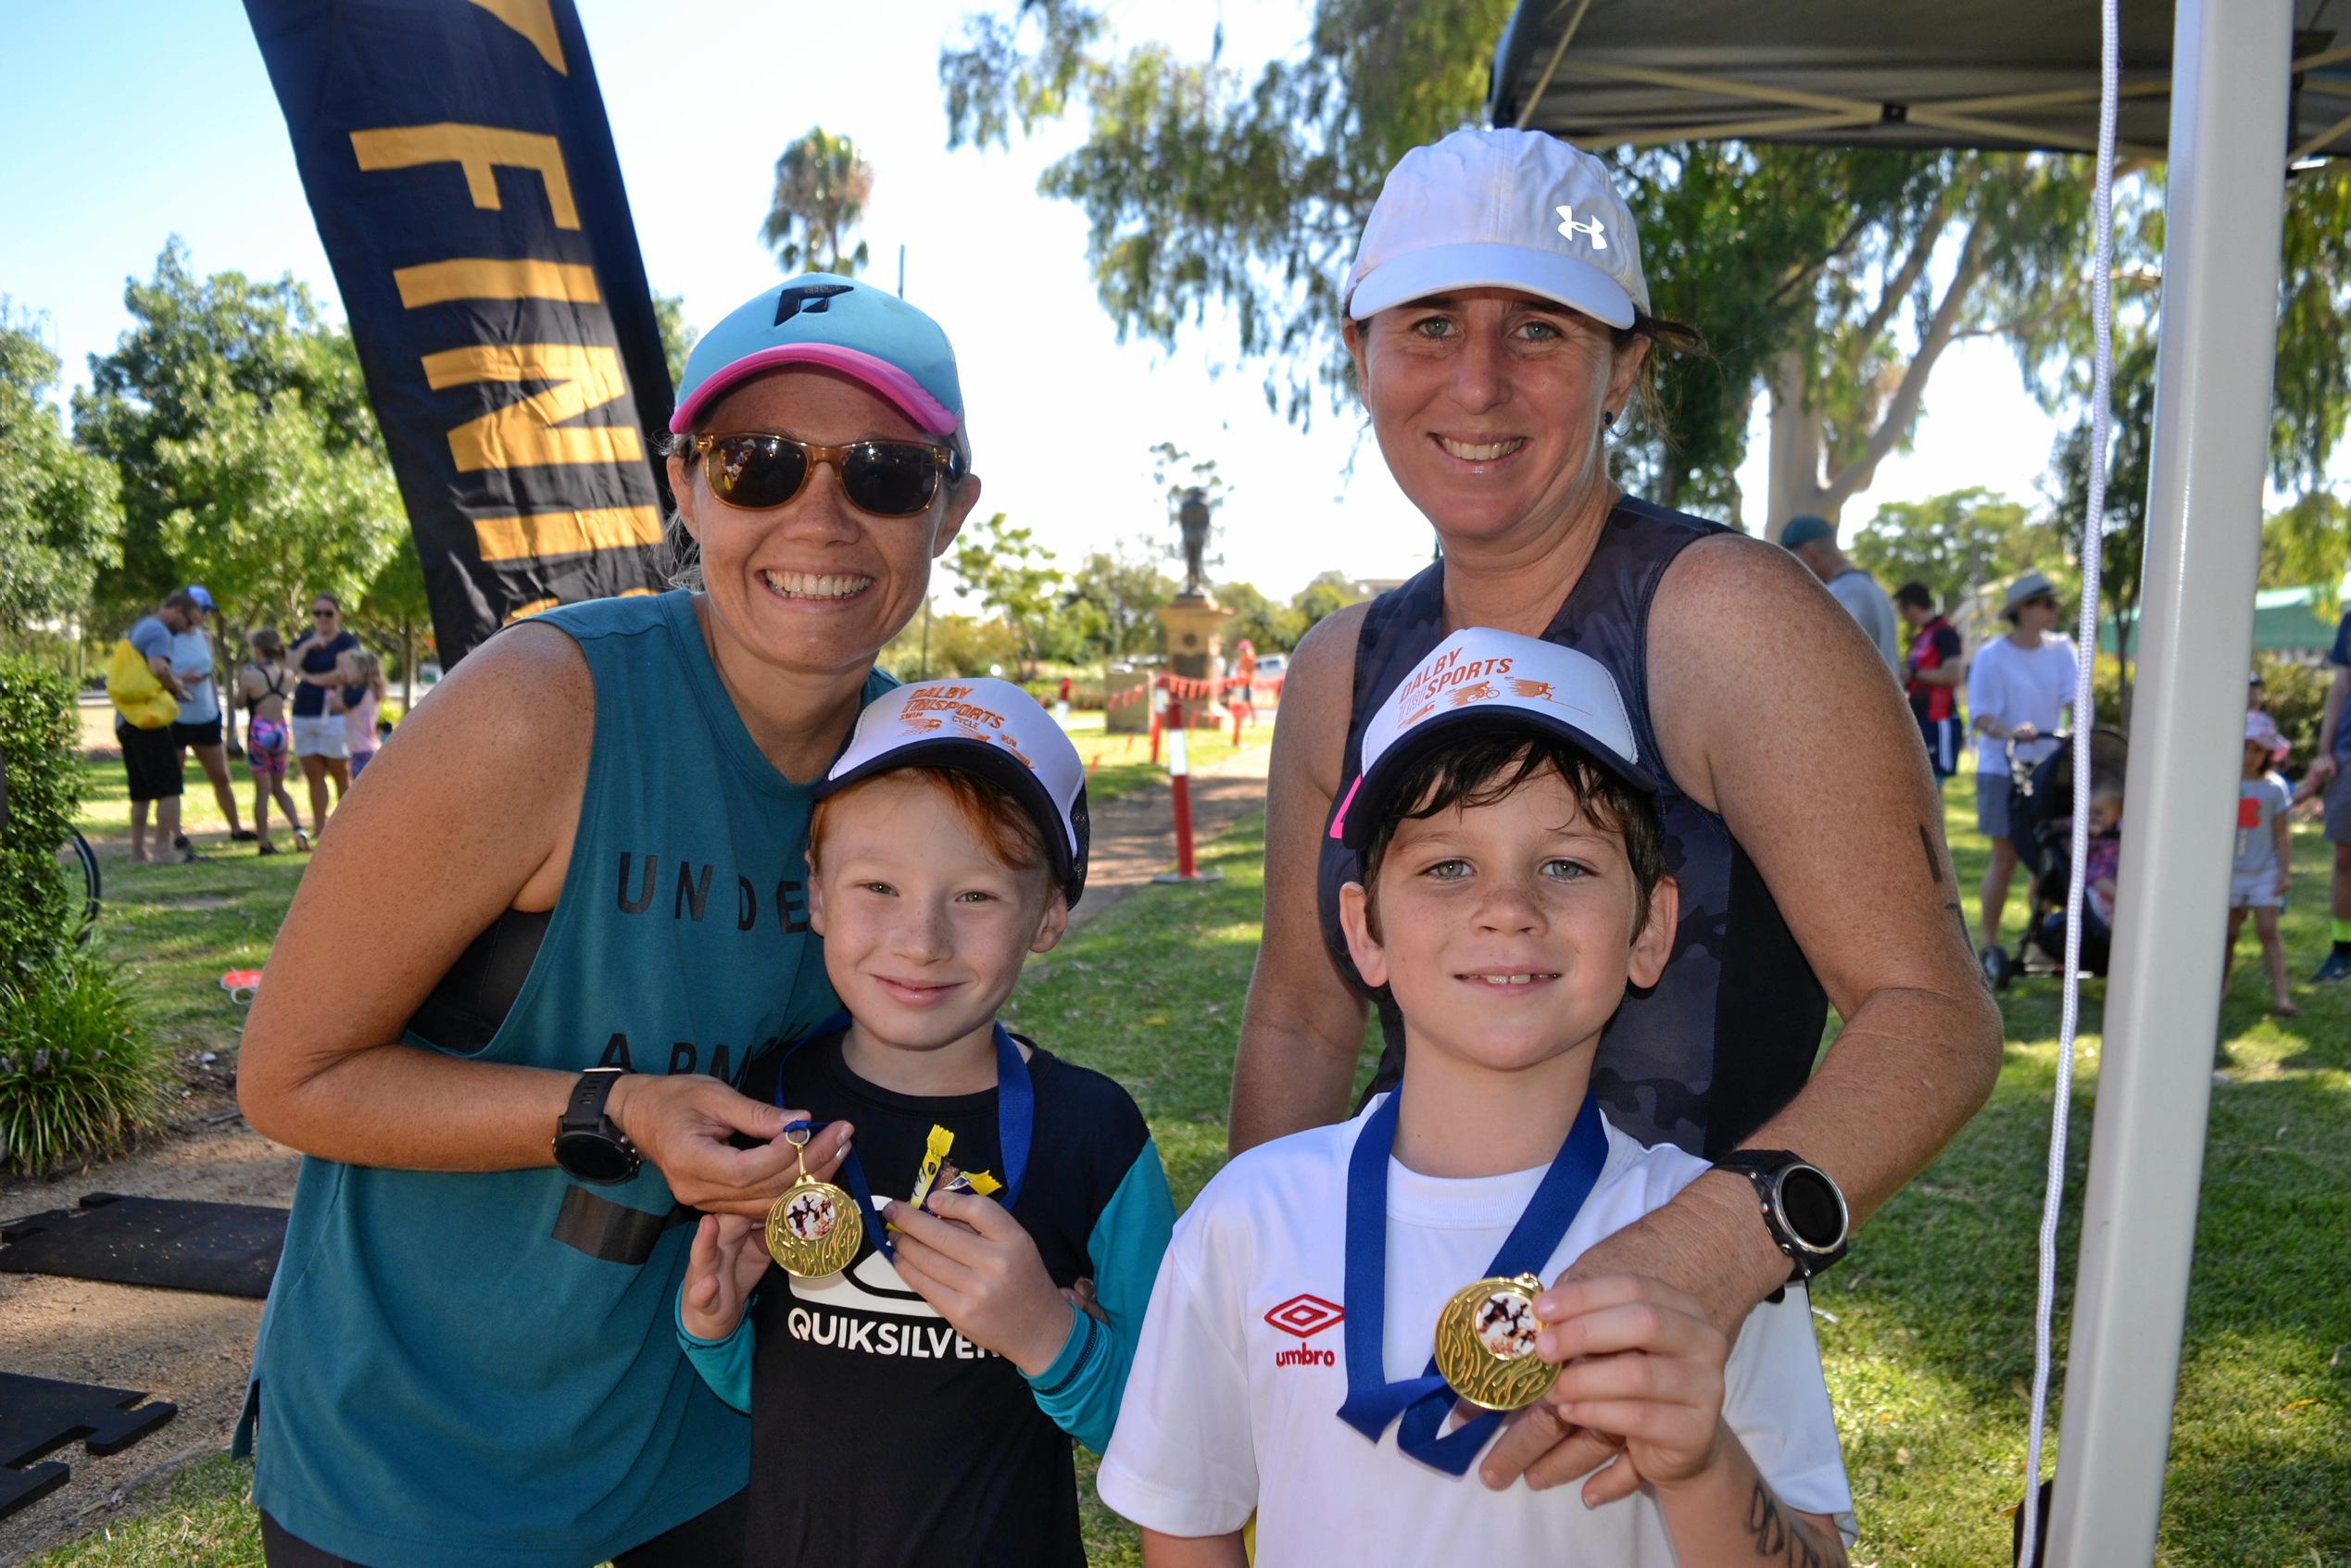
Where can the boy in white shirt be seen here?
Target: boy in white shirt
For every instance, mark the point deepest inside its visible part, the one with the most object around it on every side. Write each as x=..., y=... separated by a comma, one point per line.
x=1513, y=885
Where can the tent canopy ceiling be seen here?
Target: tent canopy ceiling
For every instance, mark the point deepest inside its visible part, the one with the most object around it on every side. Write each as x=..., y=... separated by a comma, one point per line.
x=2018, y=74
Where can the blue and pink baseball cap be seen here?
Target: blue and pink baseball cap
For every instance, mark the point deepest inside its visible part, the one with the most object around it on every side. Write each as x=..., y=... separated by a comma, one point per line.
x=839, y=324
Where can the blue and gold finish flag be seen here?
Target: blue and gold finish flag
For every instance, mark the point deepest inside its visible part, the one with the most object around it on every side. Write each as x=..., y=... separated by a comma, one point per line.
x=457, y=158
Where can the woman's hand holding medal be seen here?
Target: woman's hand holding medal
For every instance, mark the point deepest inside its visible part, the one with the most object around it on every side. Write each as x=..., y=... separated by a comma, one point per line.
x=965, y=1256
x=685, y=1126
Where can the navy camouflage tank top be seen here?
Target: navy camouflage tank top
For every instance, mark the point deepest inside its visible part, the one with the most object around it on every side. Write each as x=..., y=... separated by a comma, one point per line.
x=1728, y=1035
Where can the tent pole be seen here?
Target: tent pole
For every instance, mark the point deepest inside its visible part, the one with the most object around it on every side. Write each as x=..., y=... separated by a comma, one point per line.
x=2218, y=335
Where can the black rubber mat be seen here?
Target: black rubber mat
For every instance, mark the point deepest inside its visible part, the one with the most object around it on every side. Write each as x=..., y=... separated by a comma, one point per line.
x=227, y=1248
x=38, y=1415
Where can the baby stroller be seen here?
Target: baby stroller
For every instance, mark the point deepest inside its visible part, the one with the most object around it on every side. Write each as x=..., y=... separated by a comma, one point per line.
x=2041, y=821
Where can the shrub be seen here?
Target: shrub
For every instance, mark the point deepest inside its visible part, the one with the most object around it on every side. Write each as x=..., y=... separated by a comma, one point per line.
x=79, y=1071
x=2296, y=695
x=38, y=748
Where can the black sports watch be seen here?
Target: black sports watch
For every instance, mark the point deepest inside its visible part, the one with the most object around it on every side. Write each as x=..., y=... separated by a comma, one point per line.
x=588, y=1144
x=1802, y=1208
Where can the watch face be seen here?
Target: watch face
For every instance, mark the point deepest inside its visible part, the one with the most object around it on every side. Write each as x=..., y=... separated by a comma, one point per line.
x=592, y=1157
x=1814, y=1210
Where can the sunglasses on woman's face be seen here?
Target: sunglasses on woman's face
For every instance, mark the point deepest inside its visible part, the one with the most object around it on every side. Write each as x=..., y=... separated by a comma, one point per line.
x=322, y=615
x=887, y=478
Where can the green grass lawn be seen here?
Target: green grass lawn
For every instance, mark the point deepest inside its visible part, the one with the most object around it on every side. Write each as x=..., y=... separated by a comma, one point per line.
x=1927, y=1329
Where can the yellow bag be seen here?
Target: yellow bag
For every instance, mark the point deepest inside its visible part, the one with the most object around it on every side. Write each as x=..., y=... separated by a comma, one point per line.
x=137, y=695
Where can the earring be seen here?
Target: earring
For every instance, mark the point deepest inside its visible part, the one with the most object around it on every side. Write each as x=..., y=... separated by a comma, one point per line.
x=1607, y=419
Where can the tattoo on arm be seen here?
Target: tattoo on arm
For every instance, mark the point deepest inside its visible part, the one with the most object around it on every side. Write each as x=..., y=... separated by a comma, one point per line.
x=1783, y=1540
x=1934, y=869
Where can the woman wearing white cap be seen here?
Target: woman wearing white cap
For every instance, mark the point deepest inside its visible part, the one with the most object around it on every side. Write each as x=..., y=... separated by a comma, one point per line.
x=469, y=1357
x=1499, y=322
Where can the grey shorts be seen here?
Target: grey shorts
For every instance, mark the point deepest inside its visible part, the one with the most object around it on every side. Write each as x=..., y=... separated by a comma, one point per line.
x=1992, y=805
x=2338, y=801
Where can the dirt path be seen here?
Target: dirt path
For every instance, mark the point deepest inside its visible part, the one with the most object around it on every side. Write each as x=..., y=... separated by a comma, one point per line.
x=194, y=1349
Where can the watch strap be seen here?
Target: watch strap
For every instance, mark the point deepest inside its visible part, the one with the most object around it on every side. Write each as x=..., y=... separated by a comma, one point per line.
x=584, y=1113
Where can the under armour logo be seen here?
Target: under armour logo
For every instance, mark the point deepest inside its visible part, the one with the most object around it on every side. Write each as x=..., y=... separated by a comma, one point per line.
x=1569, y=228
x=817, y=297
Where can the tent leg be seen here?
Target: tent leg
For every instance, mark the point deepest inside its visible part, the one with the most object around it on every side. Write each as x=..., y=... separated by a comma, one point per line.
x=2218, y=336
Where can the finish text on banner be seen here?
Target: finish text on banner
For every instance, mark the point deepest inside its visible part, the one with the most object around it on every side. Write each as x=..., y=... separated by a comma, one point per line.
x=457, y=158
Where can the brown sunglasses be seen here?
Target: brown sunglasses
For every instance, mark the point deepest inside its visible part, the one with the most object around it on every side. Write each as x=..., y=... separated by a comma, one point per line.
x=756, y=471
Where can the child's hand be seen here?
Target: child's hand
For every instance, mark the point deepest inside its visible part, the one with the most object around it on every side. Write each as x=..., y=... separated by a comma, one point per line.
x=729, y=1257
x=1642, y=1361
x=973, y=1262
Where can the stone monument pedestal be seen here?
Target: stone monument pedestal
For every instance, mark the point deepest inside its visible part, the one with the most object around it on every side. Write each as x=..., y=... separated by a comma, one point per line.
x=1195, y=626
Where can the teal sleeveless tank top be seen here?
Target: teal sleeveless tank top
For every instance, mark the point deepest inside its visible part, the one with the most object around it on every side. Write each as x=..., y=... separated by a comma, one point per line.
x=439, y=1381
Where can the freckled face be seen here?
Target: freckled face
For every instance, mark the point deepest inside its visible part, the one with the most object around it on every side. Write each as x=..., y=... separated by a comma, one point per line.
x=1488, y=404
x=814, y=584
x=925, y=929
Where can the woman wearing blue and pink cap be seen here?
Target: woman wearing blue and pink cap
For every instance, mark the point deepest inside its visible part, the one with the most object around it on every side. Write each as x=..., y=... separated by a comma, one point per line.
x=582, y=867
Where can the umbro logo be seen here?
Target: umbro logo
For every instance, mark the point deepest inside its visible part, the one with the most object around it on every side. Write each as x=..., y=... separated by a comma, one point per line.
x=1591, y=228
x=1305, y=1316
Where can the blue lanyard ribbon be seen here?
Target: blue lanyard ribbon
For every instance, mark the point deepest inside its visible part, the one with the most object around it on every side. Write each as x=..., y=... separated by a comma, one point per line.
x=1015, y=1122
x=1420, y=1404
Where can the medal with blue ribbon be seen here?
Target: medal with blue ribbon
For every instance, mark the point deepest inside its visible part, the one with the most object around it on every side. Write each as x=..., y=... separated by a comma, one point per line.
x=1016, y=1129
x=1486, y=1334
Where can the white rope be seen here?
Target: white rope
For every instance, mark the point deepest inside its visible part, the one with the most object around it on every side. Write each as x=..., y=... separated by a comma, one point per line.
x=2084, y=721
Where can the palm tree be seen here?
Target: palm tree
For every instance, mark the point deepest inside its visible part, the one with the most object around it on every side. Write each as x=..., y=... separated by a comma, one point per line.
x=821, y=187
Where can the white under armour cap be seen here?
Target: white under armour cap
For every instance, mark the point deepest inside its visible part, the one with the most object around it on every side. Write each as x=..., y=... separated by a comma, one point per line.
x=1514, y=209
x=1482, y=679
x=989, y=728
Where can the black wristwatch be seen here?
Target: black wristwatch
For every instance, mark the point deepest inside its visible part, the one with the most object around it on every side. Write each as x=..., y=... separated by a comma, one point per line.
x=1802, y=1208
x=587, y=1144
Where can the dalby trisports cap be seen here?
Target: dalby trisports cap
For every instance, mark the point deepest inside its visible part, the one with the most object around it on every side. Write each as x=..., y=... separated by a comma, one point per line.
x=817, y=318
x=1479, y=679
x=986, y=727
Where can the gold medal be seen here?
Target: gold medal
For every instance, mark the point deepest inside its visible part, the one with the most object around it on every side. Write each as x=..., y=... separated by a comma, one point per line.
x=1485, y=1344
x=814, y=1228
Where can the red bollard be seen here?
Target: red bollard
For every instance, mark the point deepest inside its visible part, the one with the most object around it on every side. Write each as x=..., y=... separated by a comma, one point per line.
x=1155, y=727
x=1179, y=785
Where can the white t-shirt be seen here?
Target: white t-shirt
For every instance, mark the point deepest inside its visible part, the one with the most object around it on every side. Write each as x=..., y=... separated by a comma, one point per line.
x=1233, y=1401
x=2016, y=685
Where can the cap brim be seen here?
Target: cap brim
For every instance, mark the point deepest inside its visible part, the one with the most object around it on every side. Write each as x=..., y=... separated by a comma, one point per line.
x=902, y=391
x=1564, y=280
x=1371, y=802
x=1065, y=842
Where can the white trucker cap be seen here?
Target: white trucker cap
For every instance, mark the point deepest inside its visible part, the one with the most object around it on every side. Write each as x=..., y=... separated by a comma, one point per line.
x=1514, y=209
x=1483, y=679
x=986, y=727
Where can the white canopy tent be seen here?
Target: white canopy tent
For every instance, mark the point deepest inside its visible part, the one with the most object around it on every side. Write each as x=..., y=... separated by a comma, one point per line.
x=2229, y=92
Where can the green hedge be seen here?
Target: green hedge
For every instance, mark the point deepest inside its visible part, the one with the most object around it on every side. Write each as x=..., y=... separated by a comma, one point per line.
x=80, y=1069
x=39, y=744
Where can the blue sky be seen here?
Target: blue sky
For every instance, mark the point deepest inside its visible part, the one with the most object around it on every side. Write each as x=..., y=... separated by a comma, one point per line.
x=125, y=122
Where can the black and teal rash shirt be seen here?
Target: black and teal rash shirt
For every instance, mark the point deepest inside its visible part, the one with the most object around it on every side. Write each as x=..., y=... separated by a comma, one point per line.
x=882, y=1437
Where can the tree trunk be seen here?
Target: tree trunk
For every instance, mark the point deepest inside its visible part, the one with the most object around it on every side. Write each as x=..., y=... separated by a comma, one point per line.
x=1800, y=459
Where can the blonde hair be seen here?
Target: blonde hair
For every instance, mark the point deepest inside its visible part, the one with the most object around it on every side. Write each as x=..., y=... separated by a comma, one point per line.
x=367, y=670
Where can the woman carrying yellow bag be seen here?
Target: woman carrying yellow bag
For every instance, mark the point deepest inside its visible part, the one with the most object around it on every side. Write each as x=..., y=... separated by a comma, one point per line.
x=146, y=698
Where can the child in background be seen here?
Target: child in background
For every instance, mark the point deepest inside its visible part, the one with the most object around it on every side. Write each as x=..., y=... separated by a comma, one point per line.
x=2258, y=881
x=263, y=684
x=913, y=1390
x=363, y=692
x=1514, y=883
